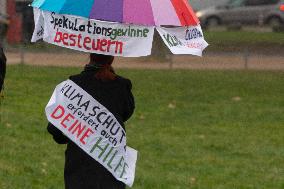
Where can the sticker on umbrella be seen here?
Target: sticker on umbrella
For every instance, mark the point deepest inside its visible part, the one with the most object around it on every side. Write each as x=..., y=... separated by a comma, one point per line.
x=92, y=36
x=184, y=40
x=118, y=27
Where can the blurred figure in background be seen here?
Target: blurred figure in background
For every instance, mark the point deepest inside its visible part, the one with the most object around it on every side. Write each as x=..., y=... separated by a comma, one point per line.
x=2, y=68
x=4, y=22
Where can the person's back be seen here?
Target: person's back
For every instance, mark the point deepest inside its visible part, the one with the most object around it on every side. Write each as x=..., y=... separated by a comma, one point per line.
x=114, y=93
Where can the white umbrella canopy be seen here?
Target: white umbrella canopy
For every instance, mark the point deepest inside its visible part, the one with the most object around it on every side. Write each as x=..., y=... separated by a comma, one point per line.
x=118, y=27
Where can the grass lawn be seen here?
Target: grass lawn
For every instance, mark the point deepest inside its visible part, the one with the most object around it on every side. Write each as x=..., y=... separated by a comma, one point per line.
x=193, y=129
x=238, y=41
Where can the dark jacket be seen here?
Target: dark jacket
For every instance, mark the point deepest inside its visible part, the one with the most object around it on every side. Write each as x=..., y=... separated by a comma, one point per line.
x=2, y=68
x=82, y=171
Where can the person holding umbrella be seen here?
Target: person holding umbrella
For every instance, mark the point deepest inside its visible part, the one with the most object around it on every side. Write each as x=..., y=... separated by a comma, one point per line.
x=114, y=92
x=117, y=28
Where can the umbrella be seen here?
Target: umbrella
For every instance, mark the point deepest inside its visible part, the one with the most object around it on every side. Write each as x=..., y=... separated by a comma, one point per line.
x=140, y=12
x=118, y=27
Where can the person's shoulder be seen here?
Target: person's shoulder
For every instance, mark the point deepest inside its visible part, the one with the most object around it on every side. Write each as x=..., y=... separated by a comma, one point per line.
x=76, y=78
x=124, y=81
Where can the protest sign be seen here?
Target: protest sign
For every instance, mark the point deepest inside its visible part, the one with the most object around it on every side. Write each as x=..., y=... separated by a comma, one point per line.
x=184, y=40
x=93, y=128
x=93, y=36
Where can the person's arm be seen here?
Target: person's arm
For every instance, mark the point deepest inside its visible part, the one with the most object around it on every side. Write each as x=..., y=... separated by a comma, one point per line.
x=129, y=102
x=58, y=136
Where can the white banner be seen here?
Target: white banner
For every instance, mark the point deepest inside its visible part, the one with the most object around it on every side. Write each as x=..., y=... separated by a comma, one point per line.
x=93, y=128
x=184, y=40
x=93, y=36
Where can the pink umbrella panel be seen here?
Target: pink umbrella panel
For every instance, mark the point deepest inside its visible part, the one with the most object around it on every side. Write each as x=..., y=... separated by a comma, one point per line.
x=139, y=12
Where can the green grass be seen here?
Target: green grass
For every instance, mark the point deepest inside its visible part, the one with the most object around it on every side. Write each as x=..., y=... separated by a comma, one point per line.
x=244, y=37
x=193, y=129
x=236, y=41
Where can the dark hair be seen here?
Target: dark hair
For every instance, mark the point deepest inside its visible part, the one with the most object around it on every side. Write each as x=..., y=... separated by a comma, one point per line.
x=100, y=59
x=103, y=63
